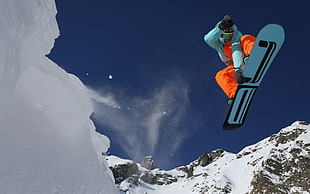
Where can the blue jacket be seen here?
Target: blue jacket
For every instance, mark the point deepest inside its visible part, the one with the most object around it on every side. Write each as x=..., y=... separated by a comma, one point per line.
x=213, y=39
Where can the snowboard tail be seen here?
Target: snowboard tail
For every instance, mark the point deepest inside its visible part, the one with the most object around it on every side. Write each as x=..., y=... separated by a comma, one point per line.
x=239, y=108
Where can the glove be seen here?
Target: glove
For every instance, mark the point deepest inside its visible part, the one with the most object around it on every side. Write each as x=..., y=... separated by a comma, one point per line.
x=227, y=24
x=239, y=77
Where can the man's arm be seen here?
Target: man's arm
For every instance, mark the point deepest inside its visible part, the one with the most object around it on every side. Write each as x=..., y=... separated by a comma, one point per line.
x=212, y=37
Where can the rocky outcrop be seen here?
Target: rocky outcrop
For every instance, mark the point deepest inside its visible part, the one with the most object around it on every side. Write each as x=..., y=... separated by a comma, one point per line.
x=158, y=178
x=290, y=166
x=124, y=171
x=130, y=172
x=203, y=161
x=148, y=163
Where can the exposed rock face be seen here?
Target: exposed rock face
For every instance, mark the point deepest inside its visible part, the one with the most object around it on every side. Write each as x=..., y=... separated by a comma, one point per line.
x=130, y=172
x=290, y=166
x=203, y=161
x=158, y=178
x=148, y=163
x=278, y=164
x=216, y=154
x=148, y=177
x=124, y=171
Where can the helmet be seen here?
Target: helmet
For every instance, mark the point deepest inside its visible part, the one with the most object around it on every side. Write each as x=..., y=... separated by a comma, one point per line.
x=227, y=24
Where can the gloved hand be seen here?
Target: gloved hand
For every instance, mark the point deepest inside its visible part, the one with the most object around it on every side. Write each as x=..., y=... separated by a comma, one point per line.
x=239, y=77
x=227, y=24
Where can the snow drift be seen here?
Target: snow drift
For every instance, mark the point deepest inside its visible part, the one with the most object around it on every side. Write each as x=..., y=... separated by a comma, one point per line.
x=46, y=137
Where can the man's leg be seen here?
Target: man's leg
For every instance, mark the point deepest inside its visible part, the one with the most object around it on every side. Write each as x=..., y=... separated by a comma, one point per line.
x=226, y=80
x=247, y=43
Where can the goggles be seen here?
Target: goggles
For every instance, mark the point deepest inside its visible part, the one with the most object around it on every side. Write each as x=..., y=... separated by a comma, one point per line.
x=227, y=35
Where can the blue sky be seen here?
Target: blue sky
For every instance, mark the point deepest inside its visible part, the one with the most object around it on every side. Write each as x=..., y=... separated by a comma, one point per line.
x=157, y=47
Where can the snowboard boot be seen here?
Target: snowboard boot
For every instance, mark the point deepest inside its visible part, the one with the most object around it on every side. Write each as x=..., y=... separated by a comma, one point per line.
x=230, y=100
x=245, y=60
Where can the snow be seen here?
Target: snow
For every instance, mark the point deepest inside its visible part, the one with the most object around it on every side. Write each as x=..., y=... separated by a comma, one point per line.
x=233, y=172
x=48, y=144
x=114, y=160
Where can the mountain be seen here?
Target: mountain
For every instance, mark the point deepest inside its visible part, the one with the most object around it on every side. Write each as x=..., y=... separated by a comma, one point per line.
x=277, y=164
x=49, y=144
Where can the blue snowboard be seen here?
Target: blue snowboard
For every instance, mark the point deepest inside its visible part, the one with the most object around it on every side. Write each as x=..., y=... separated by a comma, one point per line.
x=268, y=42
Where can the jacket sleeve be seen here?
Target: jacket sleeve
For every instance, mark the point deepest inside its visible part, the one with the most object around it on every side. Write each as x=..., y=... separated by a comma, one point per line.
x=212, y=37
x=237, y=52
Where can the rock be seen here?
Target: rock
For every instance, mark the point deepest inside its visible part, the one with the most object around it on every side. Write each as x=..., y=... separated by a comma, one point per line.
x=204, y=160
x=148, y=163
x=148, y=178
x=123, y=171
x=216, y=154
x=134, y=179
x=190, y=171
x=159, y=179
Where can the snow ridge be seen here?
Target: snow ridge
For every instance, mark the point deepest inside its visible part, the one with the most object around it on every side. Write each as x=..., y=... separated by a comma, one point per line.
x=277, y=164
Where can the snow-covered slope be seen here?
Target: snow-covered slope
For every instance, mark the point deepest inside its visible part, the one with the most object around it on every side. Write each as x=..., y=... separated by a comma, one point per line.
x=48, y=144
x=277, y=164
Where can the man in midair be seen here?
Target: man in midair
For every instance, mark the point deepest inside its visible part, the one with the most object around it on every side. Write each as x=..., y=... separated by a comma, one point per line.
x=234, y=50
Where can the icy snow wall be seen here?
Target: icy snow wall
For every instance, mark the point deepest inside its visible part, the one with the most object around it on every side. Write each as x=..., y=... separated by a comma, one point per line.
x=47, y=141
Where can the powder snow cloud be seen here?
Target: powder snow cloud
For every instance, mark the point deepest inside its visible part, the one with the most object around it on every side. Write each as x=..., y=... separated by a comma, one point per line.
x=143, y=126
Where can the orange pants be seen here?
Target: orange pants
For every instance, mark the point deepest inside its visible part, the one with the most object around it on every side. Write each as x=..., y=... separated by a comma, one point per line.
x=225, y=78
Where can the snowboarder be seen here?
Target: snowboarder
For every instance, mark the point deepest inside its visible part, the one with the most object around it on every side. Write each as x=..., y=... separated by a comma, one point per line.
x=234, y=50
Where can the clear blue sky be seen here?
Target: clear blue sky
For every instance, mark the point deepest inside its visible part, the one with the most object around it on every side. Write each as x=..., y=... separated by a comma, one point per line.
x=143, y=43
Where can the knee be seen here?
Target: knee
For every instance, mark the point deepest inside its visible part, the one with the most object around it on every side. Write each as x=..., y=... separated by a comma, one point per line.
x=247, y=38
x=219, y=76
x=247, y=43
x=225, y=74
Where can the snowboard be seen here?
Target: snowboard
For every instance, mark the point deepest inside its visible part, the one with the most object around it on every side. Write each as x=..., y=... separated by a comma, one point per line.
x=267, y=44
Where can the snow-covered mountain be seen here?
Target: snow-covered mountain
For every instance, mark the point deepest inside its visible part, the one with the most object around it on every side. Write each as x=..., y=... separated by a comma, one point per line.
x=277, y=164
x=48, y=144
